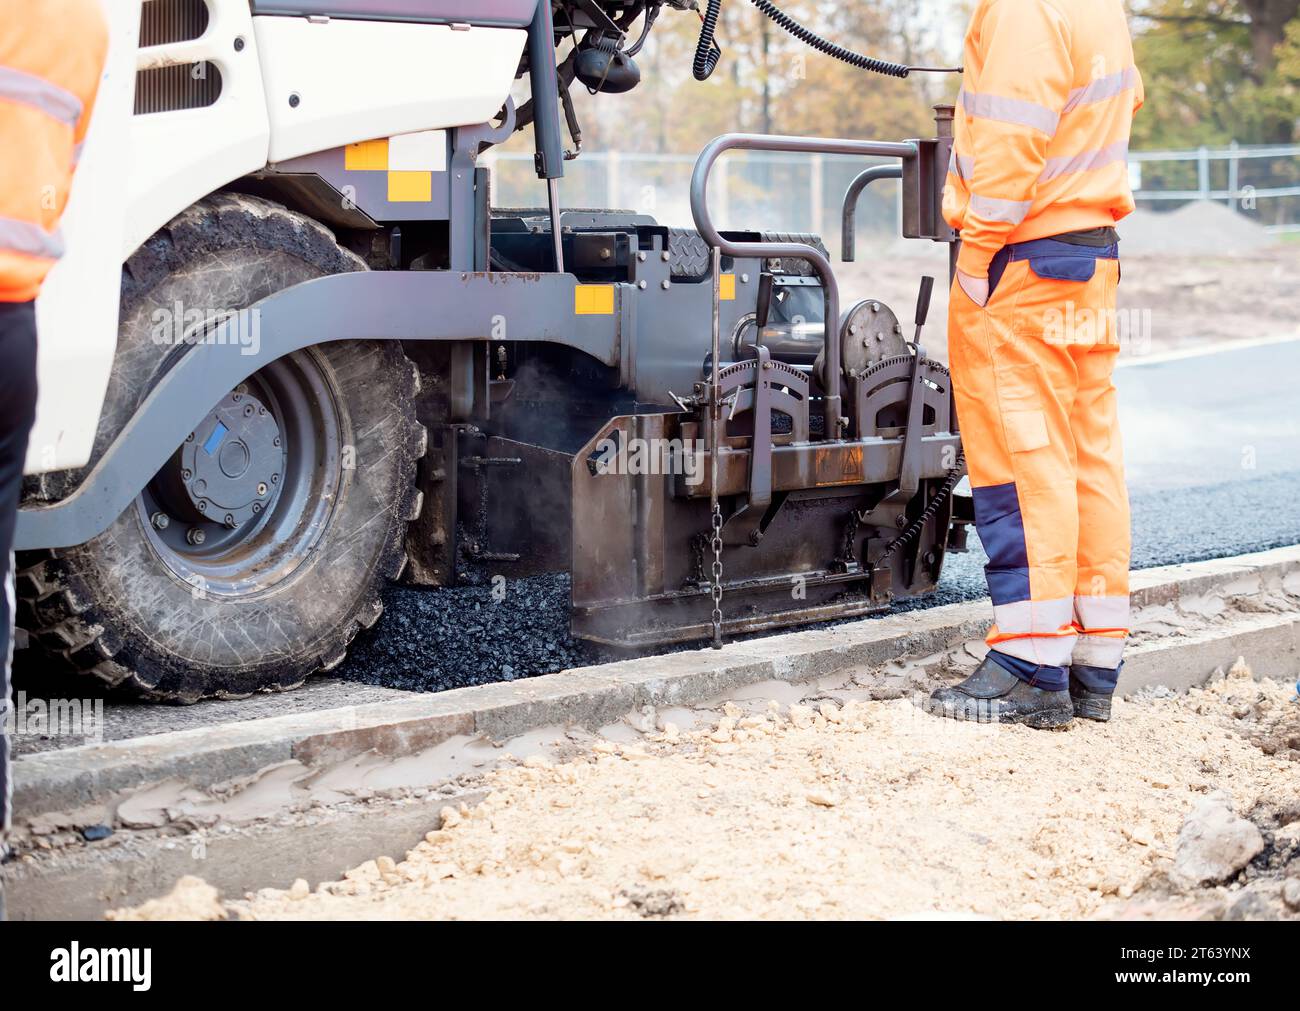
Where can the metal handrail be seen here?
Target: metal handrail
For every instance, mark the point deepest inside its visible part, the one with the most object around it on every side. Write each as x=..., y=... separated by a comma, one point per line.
x=795, y=250
x=848, y=227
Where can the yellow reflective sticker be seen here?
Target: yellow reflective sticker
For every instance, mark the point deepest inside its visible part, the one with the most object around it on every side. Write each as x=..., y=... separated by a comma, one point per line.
x=593, y=300
x=410, y=187
x=368, y=156
x=727, y=288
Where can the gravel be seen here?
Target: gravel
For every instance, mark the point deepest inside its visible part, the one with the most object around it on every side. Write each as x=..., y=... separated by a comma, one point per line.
x=432, y=640
x=1199, y=227
x=848, y=809
x=1214, y=844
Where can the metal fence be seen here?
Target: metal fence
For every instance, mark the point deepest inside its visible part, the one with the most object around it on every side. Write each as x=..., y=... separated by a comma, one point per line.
x=1261, y=182
x=805, y=192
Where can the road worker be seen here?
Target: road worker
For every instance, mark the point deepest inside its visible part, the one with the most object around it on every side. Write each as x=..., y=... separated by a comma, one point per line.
x=52, y=55
x=1037, y=180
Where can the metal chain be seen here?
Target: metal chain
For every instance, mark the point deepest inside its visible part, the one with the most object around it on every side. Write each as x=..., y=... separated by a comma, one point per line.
x=715, y=584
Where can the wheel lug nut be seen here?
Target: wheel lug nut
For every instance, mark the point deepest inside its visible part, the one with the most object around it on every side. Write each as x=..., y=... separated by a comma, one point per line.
x=261, y=488
x=230, y=522
x=203, y=505
x=196, y=536
x=160, y=520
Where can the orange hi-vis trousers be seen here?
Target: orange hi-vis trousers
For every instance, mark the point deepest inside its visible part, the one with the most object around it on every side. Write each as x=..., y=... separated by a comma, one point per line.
x=1037, y=410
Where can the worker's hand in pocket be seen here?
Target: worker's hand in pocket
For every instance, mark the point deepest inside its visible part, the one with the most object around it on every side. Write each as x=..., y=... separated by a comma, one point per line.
x=976, y=288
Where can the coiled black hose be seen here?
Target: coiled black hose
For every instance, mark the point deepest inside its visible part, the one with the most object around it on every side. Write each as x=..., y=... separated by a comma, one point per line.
x=707, y=53
x=822, y=45
x=917, y=525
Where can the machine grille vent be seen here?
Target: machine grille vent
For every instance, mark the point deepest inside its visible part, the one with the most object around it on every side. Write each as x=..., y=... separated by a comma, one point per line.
x=165, y=21
x=184, y=86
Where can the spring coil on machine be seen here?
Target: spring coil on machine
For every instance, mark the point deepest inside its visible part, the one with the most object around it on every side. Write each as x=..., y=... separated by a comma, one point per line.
x=917, y=525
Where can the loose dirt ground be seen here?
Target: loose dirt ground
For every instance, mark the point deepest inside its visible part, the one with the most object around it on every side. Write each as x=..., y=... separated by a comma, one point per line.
x=866, y=809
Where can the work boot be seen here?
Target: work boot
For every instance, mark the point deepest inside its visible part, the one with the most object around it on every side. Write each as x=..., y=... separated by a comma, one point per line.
x=1089, y=704
x=994, y=695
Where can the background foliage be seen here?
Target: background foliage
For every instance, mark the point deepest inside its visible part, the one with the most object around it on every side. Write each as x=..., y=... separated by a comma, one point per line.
x=1215, y=71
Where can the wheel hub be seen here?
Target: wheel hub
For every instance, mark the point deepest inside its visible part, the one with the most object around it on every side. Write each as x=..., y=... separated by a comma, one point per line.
x=231, y=464
x=241, y=503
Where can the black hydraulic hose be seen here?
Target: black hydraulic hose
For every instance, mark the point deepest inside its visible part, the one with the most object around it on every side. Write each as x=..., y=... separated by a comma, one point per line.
x=651, y=16
x=707, y=53
x=822, y=45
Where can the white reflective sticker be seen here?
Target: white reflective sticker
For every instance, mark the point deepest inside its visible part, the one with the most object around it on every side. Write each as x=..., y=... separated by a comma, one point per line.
x=418, y=152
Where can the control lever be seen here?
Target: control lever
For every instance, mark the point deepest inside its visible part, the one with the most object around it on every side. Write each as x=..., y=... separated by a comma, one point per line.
x=909, y=477
x=922, y=310
x=764, y=308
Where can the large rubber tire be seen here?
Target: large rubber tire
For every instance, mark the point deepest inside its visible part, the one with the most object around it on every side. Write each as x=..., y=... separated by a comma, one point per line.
x=114, y=609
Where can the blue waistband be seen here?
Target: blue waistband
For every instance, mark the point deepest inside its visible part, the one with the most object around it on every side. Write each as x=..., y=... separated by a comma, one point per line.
x=1055, y=247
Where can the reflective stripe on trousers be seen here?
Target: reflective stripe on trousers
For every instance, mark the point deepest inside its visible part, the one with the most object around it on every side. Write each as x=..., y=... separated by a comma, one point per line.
x=1037, y=411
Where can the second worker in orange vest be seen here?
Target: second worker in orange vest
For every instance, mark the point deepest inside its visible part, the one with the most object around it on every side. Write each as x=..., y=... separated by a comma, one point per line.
x=1037, y=180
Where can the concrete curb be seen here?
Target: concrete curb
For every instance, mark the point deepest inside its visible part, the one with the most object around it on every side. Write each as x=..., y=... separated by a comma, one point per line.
x=591, y=697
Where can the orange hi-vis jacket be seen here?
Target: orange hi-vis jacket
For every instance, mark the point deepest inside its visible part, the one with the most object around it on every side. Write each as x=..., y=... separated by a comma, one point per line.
x=52, y=56
x=1040, y=140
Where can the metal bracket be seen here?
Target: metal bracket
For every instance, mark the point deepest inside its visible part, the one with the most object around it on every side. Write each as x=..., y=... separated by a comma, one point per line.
x=757, y=385
x=907, y=151
x=909, y=476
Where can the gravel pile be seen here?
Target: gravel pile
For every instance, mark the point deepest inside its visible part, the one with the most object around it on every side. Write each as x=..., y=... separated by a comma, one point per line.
x=432, y=640
x=1200, y=227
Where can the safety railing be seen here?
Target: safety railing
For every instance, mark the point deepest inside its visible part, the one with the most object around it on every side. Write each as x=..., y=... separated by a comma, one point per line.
x=1262, y=181
x=820, y=263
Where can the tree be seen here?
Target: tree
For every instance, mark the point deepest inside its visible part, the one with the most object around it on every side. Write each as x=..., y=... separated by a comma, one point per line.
x=1217, y=70
x=769, y=82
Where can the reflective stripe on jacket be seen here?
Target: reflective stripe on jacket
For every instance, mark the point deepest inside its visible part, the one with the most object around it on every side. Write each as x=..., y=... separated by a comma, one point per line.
x=51, y=59
x=1042, y=125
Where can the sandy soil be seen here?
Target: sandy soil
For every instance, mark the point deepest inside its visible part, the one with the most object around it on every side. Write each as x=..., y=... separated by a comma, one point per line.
x=867, y=809
x=1167, y=302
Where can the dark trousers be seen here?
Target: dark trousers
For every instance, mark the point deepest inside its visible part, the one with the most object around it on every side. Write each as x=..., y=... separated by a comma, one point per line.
x=17, y=412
